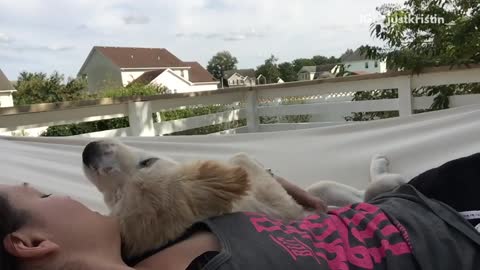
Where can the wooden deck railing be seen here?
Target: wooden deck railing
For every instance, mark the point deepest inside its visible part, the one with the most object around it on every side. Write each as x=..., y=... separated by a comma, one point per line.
x=326, y=102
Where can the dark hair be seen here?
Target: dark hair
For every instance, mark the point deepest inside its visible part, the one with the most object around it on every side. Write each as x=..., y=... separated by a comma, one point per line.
x=11, y=220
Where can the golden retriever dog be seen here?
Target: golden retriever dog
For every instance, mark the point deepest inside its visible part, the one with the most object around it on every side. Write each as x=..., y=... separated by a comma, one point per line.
x=156, y=199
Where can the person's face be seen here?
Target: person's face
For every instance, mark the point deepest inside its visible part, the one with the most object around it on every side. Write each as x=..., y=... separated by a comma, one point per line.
x=65, y=222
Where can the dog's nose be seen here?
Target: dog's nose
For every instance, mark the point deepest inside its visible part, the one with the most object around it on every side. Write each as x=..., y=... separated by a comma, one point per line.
x=91, y=152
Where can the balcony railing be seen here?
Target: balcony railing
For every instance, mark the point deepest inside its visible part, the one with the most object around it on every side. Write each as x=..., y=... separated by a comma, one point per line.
x=325, y=102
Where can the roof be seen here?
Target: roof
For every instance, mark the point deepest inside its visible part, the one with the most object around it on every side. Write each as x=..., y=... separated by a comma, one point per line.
x=147, y=77
x=198, y=73
x=129, y=57
x=319, y=68
x=250, y=72
x=5, y=84
x=350, y=56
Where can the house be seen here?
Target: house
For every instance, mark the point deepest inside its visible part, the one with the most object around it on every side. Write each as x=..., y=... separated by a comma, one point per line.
x=240, y=77
x=108, y=67
x=6, y=91
x=357, y=63
x=308, y=73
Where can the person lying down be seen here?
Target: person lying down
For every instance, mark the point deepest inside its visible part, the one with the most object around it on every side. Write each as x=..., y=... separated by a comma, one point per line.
x=417, y=226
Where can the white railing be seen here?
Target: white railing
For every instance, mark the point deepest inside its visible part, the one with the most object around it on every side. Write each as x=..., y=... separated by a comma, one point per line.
x=326, y=102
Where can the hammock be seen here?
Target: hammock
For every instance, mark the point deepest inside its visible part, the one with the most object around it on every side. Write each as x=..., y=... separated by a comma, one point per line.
x=340, y=153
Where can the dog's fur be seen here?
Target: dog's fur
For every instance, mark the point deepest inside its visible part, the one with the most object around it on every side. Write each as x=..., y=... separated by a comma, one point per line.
x=381, y=181
x=156, y=199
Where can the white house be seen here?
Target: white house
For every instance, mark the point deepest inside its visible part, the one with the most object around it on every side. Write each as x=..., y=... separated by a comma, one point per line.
x=355, y=62
x=6, y=91
x=240, y=77
x=308, y=73
x=119, y=66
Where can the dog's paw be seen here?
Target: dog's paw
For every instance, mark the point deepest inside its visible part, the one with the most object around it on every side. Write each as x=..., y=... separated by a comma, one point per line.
x=378, y=166
x=380, y=158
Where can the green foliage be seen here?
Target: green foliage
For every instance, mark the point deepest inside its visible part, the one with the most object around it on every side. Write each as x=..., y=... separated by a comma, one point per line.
x=301, y=62
x=144, y=90
x=287, y=72
x=373, y=95
x=413, y=46
x=136, y=89
x=453, y=39
x=322, y=60
x=213, y=128
x=269, y=69
x=341, y=70
x=220, y=63
x=34, y=88
x=302, y=118
x=316, y=60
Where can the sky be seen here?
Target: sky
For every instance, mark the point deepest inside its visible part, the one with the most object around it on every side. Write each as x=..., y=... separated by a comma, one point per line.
x=57, y=35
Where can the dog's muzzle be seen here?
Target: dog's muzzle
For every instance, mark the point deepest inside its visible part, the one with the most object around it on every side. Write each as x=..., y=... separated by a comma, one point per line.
x=93, y=153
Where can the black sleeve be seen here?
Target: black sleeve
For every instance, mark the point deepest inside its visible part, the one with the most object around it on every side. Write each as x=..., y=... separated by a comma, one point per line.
x=456, y=183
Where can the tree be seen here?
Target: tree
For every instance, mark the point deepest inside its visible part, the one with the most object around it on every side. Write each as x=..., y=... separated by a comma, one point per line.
x=322, y=60
x=301, y=62
x=269, y=69
x=424, y=33
x=220, y=63
x=287, y=72
x=35, y=88
x=444, y=32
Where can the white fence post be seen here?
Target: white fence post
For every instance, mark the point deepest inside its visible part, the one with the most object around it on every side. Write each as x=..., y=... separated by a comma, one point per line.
x=140, y=118
x=251, y=109
x=405, y=98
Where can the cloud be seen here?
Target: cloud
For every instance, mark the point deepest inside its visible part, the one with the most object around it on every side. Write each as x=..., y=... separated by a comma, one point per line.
x=4, y=38
x=81, y=27
x=29, y=48
x=136, y=19
x=231, y=36
x=289, y=29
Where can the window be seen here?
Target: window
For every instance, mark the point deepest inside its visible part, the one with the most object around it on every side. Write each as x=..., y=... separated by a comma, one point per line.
x=366, y=64
x=183, y=73
x=376, y=64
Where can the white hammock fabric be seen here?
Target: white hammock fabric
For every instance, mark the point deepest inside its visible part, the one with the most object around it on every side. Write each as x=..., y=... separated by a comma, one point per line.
x=340, y=153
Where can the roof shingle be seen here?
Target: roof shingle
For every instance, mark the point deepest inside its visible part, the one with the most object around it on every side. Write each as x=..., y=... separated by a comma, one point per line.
x=244, y=72
x=198, y=73
x=350, y=56
x=126, y=57
x=147, y=77
x=5, y=84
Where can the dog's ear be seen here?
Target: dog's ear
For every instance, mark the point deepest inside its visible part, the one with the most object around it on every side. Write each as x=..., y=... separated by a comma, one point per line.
x=231, y=181
x=215, y=185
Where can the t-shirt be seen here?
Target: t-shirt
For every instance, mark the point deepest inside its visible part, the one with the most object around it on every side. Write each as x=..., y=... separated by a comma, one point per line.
x=397, y=231
x=360, y=236
x=440, y=237
x=400, y=230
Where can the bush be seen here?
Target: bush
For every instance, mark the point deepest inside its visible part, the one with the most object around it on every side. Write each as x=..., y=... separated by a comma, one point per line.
x=303, y=118
x=144, y=90
x=101, y=125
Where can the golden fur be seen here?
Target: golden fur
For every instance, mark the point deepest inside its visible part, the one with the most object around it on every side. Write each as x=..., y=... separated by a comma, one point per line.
x=156, y=204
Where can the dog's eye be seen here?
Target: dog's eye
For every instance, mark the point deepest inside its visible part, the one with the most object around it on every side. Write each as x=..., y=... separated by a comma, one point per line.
x=147, y=162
